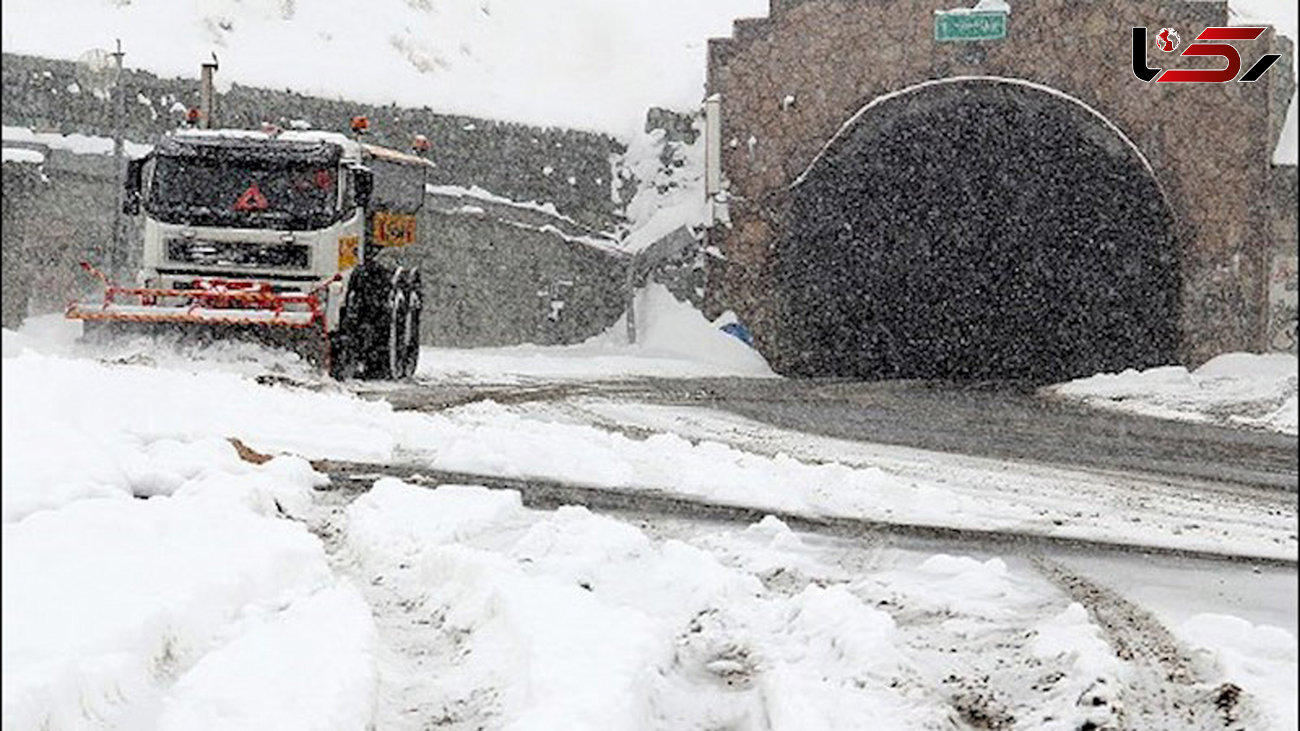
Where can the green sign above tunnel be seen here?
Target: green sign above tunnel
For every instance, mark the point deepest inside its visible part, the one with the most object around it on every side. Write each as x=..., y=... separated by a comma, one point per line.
x=967, y=25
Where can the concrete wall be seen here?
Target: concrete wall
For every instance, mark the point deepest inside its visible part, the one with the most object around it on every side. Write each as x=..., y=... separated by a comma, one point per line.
x=500, y=275
x=1209, y=144
x=57, y=215
x=22, y=184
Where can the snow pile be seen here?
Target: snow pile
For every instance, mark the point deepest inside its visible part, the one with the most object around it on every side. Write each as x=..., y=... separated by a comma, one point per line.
x=670, y=186
x=1259, y=658
x=1095, y=670
x=1057, y=662
x=488, y=438
x=1236, y=388
x=146, y=431
x=199, y=607
x=307, y=666
x=116, y=609
x=669, y=328
x=569, y=620
x=581, y=64
x=673, y=340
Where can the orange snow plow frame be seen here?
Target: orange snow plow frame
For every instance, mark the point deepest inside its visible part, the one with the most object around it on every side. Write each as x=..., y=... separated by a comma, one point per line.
x=211, y=302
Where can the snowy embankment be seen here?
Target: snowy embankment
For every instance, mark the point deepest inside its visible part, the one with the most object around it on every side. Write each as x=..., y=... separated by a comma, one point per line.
x=598, y=65
x=207, y=606
x=1236, y=389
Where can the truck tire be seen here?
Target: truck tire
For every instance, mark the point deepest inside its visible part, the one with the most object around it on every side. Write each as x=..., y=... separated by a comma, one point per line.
x=347, y=342
x=385, y=351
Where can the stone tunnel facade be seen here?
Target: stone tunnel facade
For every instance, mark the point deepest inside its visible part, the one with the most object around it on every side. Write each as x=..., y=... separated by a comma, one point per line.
x=1023, y=207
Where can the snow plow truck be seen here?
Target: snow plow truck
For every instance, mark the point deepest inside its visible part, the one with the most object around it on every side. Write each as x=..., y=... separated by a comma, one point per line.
x=306, y=239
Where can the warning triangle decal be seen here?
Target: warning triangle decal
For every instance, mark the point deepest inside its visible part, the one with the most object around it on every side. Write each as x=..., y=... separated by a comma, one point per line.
x=251, y=200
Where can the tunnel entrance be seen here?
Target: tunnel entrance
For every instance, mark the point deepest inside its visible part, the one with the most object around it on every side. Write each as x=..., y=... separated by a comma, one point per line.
x=976, y=229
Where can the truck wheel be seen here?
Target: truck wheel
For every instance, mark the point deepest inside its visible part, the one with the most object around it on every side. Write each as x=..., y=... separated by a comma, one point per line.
x=386, y=318
x=348, y=343
x=414, y=306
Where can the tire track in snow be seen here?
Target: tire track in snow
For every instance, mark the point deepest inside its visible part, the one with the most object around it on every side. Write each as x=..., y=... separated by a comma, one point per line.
x=415, y=649
x=1164, y=689
x=355, y=478
x=995, y=420
x=1091, y=506
x=987, y=671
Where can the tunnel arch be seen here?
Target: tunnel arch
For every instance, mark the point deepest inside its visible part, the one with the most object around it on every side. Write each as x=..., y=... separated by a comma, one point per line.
x=976, y=228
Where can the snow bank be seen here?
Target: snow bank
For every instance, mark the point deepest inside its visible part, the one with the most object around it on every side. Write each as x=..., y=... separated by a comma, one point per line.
x=105, y=600
x=668, y=328
x=309, y=666
x=1236, y=388
x=1259, y=658
x=487, y=438
x=1095, y=672
x=141, y=430
x=576, y=621
x=198, y=607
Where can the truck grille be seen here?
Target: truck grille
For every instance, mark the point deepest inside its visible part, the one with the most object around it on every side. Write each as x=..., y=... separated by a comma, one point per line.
x=239, y=254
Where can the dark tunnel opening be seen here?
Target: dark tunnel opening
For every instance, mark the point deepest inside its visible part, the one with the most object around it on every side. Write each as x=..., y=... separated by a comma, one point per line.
x=976, y=229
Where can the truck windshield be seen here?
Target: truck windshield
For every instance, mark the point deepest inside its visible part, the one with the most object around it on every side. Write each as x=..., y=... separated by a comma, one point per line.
x=245, y=193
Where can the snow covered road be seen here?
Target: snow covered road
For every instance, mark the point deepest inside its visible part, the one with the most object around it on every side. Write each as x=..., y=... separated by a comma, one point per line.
x=175, y=556
x=568, y=619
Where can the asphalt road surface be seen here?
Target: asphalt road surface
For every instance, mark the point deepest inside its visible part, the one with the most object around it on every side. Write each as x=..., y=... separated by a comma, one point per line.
x=999, y=421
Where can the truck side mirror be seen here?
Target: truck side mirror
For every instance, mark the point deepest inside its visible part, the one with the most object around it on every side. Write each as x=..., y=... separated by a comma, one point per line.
x=363, y=185
x=134, y=176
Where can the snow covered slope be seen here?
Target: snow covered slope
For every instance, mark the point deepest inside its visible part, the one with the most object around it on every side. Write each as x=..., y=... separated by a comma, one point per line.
x=582, y=64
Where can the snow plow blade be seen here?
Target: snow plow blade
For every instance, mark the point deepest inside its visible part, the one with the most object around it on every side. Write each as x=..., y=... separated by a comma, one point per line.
x=215, y=303
x=198, y=315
